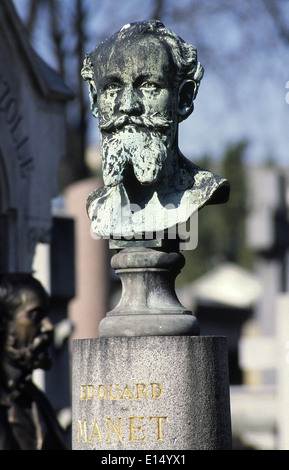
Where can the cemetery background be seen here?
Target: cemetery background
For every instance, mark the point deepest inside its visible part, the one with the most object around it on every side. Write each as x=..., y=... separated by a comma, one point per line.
x=237, y=279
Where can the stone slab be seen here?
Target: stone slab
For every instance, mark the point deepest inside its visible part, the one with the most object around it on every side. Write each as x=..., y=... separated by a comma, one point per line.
x=151, y=393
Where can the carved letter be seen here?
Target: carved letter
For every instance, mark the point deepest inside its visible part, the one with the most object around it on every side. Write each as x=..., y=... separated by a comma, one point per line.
x=141, y=390
x=82, y=392
x=90, y=392
x=21, y=143
x=26, y=167
x=117, y=392
x=101, y=397
x=6, y=92
x=159, y=418
x=15, y=127
x=137, y=428
x=160, y=390
x=81, y=430
x=95, y=432
x=11, y=111
x=117, y=431
x=127, y=392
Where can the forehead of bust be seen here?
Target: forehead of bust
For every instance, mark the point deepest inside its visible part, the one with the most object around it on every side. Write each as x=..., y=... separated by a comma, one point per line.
x=122, y=53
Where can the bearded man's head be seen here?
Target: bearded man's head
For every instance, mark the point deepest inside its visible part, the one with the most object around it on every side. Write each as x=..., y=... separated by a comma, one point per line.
x=142, y=83
x=25, y=330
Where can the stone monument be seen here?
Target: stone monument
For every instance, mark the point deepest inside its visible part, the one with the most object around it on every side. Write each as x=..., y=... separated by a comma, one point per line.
x=149, y=381
x=32, y=129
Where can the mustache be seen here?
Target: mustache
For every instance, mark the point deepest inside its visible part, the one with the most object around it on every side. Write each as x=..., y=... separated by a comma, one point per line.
x=155, y=122
x=42, y=341
x=30, y=357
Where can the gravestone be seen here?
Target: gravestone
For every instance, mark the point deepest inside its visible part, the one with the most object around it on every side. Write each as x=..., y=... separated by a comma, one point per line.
x=32, y=129
x=161, y=392
x=150, y=381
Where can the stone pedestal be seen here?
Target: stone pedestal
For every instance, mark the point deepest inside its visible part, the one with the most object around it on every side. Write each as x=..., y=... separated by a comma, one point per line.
x=149, y=305
x=151, y=393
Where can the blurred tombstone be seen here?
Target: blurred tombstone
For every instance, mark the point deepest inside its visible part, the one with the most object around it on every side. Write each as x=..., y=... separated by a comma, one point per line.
x=32, y=129
x=224, y=299
x=268, y=236
x=264, y=199
x=264, y=344
x=91, y=265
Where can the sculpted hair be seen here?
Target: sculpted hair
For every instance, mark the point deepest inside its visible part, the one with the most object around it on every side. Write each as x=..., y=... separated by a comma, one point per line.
x=11, y=286
x=184, y=55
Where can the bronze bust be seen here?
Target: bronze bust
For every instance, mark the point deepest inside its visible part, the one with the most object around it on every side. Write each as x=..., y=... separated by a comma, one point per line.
x=27, y=420
x=142, y=83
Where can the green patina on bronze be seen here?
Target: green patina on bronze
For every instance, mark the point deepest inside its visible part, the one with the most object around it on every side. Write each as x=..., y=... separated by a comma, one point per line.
x=142, y=83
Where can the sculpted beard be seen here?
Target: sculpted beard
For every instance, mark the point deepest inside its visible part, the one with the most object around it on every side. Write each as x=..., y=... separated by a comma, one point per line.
x=32, y=357
x=136, y=141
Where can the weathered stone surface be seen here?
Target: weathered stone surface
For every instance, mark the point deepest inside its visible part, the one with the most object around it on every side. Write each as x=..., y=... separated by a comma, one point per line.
x=149, y=304
x=151, y=393
x=142, y=83
x=113, y=213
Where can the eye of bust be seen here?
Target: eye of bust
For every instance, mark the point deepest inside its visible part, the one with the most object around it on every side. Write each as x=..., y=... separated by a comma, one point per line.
x=149, y=85
x=112, y=86
x=37, y=314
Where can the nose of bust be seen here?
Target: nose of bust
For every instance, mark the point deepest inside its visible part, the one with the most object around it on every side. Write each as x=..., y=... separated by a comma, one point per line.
x=129, y=102
x=46, y=326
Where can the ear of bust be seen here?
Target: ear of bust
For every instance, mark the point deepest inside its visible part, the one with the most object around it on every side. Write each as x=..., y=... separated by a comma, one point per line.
x=93, y=100
x=186, y=99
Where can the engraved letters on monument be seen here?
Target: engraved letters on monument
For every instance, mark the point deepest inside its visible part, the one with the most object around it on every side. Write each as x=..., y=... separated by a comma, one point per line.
x=149, y=381
x=157, y=392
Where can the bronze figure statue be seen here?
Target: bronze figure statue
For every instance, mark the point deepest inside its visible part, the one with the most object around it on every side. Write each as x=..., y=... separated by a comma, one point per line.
x=27, y=420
